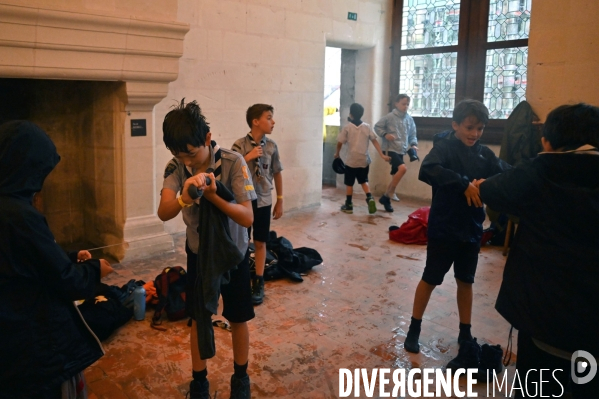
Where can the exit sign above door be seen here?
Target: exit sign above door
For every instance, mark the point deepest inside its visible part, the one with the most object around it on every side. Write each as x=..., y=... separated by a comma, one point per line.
x=352, y=15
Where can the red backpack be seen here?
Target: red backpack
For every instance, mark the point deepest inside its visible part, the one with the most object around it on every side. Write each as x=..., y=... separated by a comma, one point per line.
x=414, y=230
x=170, y=289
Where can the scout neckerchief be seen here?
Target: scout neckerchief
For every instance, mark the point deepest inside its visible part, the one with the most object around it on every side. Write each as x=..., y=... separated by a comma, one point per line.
x=254, y=144
x=217, y=163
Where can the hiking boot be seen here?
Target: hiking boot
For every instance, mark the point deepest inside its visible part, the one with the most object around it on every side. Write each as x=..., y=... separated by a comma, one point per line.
x=411, y=343
x=386, y=202
x=347, y=208
x=395, y=197
x=257, y=291
x=198, y=390
x=371, y=205
x=468, y=356
x=240, y=387
x=490, y=360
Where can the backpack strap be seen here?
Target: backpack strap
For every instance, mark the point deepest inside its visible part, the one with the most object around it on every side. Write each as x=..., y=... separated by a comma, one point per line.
x=162, y=291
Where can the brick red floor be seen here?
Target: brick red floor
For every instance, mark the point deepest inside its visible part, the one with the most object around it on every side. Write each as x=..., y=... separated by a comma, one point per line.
x=350, y=312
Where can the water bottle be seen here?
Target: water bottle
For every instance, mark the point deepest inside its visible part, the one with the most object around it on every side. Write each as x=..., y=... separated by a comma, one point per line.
x=139, y=303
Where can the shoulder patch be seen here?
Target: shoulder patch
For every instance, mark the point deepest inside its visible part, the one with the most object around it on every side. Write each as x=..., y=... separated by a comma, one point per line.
x=170, y=168
x=244, y=169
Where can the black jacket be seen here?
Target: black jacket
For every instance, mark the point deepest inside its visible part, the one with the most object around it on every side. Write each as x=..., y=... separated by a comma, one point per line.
x=43, y=338
x=550, y=286
x=449, y=167
x=217, y=255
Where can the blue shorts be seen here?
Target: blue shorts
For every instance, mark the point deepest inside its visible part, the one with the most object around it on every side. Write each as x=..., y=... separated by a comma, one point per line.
x=441, y=254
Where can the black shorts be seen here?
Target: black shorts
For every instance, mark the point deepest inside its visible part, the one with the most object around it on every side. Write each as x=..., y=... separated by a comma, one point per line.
x=396, y=161
x=440, y=255
x=261, y=223
x=237, y=294
x=351, y=174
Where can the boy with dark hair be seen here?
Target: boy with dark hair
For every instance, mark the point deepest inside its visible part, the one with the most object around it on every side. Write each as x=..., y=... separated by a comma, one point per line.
x=187, y=135
x=357, y=135
x=398, y=131
x=452, y=167
x=550, y=288
x=262, y=156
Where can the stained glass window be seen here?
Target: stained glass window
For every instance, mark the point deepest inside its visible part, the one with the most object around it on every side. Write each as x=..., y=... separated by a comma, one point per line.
x=429, y=80
x=430, y=23
x=508, y=20
x=505, y=80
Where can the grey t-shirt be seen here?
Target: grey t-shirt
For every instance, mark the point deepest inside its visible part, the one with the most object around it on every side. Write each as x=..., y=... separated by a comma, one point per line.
x=234, y=175
x=269, y=164
x=358, y=139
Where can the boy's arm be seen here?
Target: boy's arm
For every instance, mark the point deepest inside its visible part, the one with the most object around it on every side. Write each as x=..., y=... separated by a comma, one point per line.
x=170, y=206
x=278, y=208
x=412, y=139
x=380, y=128
x=433, y=172
x=241, y=213
x=376, y=145
x=339, y=145
x=508, y=192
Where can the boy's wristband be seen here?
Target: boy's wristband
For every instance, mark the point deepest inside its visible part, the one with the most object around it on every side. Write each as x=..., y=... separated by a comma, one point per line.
x=183, y=204
x=279, y=197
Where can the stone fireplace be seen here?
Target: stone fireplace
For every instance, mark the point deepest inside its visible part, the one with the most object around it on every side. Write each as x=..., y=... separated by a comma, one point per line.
x=84, y=77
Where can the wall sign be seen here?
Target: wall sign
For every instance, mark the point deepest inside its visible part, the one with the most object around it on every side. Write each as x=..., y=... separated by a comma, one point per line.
x=138, y=127
x=352, y=16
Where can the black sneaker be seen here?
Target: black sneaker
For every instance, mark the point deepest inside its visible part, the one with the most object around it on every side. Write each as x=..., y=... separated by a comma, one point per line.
x=347, y=208
x=257, y=291
x=386, y=202
x=490, y=360
x=468, y=356
x=198, y=390
x=240, y=387
x=411, y=343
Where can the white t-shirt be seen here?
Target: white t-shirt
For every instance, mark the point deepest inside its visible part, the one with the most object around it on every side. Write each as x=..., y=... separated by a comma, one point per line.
x=357, y=138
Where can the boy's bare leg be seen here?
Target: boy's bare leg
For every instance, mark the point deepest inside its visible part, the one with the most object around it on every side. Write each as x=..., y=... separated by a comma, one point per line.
x=258, y=282
x=464, y=297
x=240, y=337
x=464, y=301
x=421, y=299
x=260, y=257
x=349, y=190
x=401, y=171
x=365, y=187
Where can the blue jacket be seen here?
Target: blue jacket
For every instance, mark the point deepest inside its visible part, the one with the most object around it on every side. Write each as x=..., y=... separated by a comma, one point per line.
x=449, y=167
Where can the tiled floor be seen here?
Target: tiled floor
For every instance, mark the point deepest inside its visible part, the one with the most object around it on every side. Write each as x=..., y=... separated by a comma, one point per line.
x=350, y=312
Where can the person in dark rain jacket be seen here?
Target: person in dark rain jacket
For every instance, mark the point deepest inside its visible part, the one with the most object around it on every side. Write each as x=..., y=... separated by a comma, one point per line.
x=550, y=288
x=452, y=167
x=44, y=341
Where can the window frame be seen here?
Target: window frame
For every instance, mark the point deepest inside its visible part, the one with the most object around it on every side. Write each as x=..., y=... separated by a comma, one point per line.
x=471, y=60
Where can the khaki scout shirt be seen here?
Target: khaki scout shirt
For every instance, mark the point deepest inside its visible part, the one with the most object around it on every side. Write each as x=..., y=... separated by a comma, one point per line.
x=270, y=164
x=234, y=175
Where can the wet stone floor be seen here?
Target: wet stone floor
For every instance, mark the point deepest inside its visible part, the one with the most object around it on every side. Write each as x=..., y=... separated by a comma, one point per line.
x=351, y=312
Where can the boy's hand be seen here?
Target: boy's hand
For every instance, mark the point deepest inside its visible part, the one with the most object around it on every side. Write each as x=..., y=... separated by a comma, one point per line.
x=472, y=196
x=255, y=153
x=199, y=181
x=105, y=268
x=386, y=158
x=210, y=191
x=336, y=155
x=415, y=147
x=389, y=137
x=83, y=256
x=478, y=182
x=277, y=212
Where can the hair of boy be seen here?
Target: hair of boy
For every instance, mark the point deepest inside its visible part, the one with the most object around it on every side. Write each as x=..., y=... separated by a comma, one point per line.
x=184, y=125
x=400, y=97
x=356, y=110
x=571, y=126
x=256, y=111
x=467, y=108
